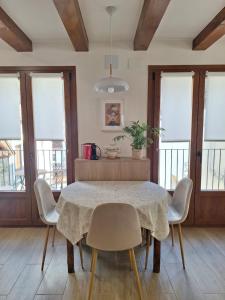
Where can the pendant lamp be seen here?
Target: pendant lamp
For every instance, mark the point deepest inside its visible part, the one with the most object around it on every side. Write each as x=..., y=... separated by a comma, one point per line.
x=111, y=84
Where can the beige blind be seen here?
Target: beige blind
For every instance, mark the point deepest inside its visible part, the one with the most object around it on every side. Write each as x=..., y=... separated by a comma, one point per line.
x=176, y=106
x=48, y=106
x=10, y=118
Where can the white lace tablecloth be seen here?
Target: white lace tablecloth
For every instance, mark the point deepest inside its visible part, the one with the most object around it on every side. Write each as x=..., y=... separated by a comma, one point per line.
x=78, y=200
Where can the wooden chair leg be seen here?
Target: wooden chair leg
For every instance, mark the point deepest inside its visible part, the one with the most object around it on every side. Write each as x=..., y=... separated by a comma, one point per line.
x=45, y=248
x=134, y=264
x=81, y=254
x=94, y=260
x=147, y=248
x=172, y=234
x=181, y=244
x=53, y=238
x=131, y=262
x=91, y=267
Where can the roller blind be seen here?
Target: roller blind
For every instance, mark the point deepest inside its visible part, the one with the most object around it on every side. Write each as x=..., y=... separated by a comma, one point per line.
x=215, y=107
x=176, y=106
x=48, y=106
x=10, y=120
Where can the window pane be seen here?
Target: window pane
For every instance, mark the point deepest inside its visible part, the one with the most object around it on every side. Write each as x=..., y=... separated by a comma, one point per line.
x=12, y=177
x=213, y=152
x=49, y=125
x=175, y=118
x=51, y=163
x=48, y=106
x=10, y=108
x=176, y=106
x=215, y=107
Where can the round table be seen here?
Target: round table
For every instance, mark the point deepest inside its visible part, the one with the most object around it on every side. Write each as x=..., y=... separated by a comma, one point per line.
x=78, y=200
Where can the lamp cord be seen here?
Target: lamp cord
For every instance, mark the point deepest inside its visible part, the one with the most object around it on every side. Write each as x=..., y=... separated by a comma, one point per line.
x=110, y=43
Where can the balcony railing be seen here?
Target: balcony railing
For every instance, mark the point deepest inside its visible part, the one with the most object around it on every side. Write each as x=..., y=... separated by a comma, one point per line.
x=213, y=169
x=174, y=165
x=51, y=165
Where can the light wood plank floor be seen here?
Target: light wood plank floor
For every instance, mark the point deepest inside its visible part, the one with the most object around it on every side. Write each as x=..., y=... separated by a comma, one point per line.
x=21, y=277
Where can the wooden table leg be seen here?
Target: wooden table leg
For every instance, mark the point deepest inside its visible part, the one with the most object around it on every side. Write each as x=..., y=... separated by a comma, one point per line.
x=156, y=257
x=70, y=257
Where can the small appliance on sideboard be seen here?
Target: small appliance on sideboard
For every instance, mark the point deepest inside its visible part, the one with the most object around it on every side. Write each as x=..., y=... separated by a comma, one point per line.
x=90, y=151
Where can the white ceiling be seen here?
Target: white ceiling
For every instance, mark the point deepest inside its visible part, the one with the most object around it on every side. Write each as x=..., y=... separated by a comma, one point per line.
x=186, y=18
x=124, y=20
x=41, y=22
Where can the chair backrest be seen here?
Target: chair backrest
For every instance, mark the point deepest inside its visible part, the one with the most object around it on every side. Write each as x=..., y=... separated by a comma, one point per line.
x=45, y=200
x=114, y=227
x=182, y=196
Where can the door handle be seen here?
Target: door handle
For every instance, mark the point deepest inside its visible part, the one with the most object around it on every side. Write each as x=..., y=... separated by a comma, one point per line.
x=199, y=155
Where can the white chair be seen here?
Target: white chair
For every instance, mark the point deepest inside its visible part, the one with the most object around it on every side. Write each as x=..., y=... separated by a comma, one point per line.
x=47, y=211
x=178, y=209
x=114, y=227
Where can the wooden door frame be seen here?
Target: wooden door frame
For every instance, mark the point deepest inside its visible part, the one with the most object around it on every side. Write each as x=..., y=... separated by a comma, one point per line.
x=69, y=73
x=153, y=114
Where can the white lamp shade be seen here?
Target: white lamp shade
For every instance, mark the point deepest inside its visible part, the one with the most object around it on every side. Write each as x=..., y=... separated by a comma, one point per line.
x=111, y=85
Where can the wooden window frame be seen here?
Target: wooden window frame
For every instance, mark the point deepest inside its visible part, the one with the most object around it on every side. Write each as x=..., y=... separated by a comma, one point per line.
x=10, y=200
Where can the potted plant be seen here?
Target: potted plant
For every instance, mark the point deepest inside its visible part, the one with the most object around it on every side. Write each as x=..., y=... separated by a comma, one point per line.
x=137, y=133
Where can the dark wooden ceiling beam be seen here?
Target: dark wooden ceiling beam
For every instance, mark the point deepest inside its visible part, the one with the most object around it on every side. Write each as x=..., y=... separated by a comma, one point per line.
x=12, y=34
x=211, y=33
x=151, y=16
x=70, y=14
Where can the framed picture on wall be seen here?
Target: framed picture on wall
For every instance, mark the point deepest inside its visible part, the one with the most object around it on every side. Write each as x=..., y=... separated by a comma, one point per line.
x=112, y=115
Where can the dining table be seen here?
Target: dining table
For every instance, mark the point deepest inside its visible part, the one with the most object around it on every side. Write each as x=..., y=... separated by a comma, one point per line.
x=78, y=200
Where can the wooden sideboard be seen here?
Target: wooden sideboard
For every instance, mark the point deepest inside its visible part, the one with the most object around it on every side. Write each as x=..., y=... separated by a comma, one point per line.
x=123, y=169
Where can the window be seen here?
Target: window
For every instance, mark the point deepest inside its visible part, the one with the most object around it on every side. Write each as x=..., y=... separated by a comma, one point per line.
x=12, y=177
x=49, y=128
x=175, y=118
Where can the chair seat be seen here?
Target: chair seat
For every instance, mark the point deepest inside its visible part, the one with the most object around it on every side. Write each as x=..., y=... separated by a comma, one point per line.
x=52, y=217
x=173, y=216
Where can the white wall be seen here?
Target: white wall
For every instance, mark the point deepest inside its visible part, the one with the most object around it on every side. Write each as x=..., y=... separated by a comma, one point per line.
x=132, y=67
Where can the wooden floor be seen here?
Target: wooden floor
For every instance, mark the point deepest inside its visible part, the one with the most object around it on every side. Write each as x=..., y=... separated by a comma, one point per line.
x=21, y=276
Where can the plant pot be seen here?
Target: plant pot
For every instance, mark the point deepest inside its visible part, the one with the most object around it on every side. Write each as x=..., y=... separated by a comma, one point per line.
x=137, y=153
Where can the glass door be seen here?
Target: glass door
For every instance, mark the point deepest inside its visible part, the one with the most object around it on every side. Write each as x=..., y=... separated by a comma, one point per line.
x=49, y=128
x=38, y=137
x=15, y=190
x=176, y=118
x=210, y=202
x=53, y=126
x=173, y=104
x=189, y=103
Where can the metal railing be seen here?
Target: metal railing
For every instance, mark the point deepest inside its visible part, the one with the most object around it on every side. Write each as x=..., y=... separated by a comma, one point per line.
x=174, y=165
x=11, y=166
x=51, y=165
x=213, y=169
